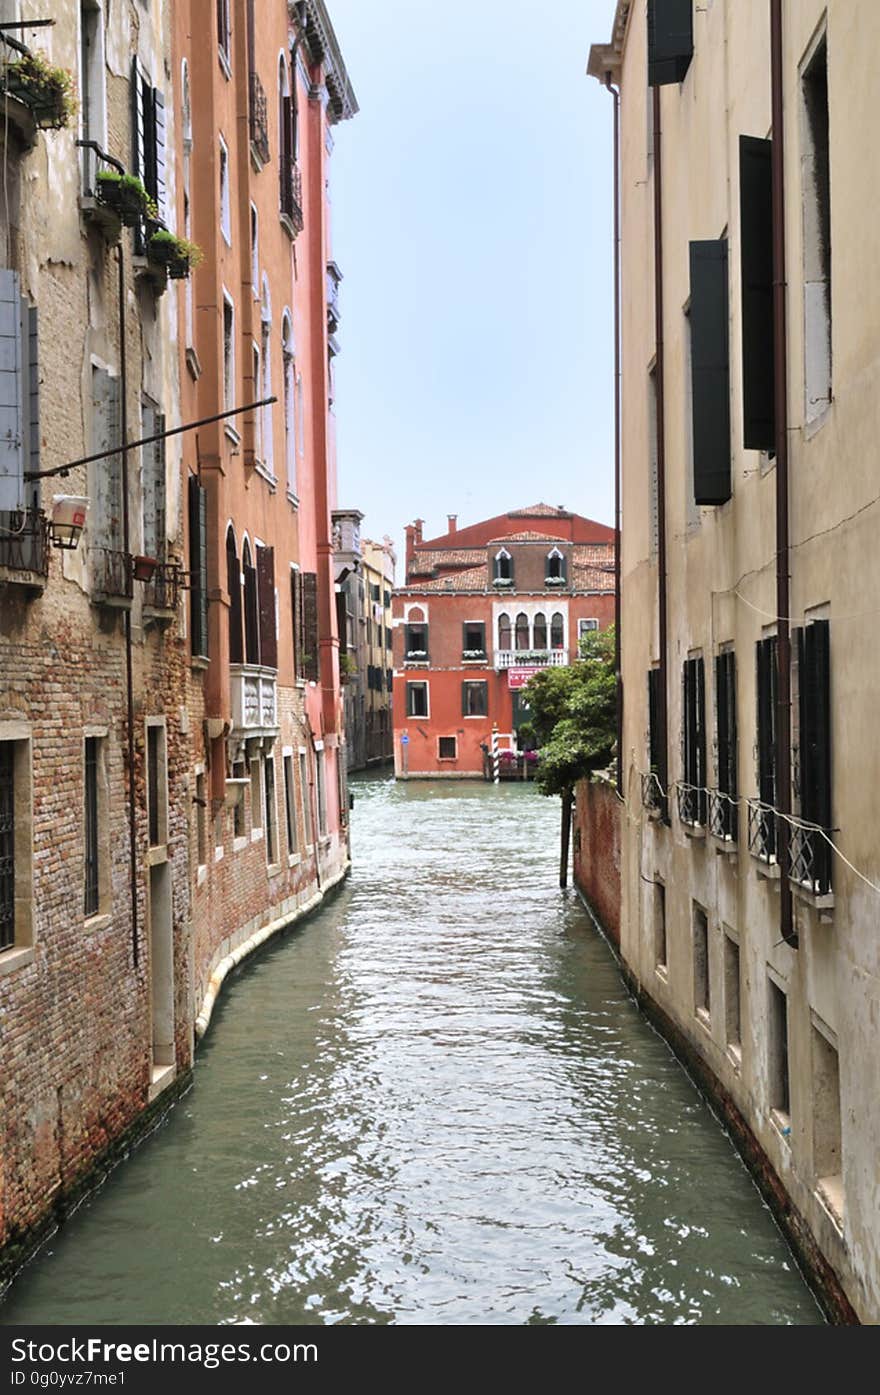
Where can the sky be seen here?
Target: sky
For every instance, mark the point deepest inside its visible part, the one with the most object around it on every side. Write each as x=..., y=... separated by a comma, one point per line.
x=472, y=210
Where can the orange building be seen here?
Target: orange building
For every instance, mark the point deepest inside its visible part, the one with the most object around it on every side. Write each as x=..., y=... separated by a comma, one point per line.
x=483, y=609
x=259, y=89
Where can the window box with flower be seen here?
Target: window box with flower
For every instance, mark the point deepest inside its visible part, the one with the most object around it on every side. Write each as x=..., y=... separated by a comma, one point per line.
x=48, y=92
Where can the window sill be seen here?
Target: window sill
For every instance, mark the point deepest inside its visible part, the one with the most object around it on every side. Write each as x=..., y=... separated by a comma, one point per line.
x=782, y=1124
x=199, y=663
x=813, y=425
x=239, y=844
x=102, y=921
x=31, y=581
x=287, y=225
x=219, y=853
x=266, y=474
x=662, y=972
x=819, y=902
x=734, y=1055
x=765, y=868
x=223, y=59
x=693, y=830
x=12, y=959
x=274, y=869
x=193, y=363
x=162, y=1077
x=324, y=841
x=231, y=434
x=293, y=859
x=256, y=835
x=201, y=874
x=724, y=846
x=704, y=1019
x=293, y=499
x=829, y=1193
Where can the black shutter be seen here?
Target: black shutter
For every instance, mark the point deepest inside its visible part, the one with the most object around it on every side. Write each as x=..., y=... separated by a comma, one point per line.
x=654, y=719
x=296, y=622
x=342, y=621
x=670, y=40
x=815, y=685
x=710, y=372
x=756, y=245
x=251, y=616
x=464, y=699
x=700, y=748
x=311, y=666
x=266, y=598
x=198, y=565
x=233, y=585
x=766, y=678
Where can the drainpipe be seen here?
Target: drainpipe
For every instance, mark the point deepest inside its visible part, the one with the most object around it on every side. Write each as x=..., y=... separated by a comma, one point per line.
x=780, y=395
x=663, y=718
x=618, y=609
x=126, y=547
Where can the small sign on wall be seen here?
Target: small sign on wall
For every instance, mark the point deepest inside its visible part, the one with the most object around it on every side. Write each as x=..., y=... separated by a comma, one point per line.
x=518, y=677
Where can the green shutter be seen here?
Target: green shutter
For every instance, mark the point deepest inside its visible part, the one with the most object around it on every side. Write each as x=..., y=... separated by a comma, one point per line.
x=710, y=372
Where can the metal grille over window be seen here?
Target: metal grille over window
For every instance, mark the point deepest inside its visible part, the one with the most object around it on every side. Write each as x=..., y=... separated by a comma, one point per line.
x=7, y=846
x=810, y=851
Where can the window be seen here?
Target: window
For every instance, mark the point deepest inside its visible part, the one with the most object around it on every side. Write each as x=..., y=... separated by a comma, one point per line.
x=474, y=698
x=260, y=619
x=307, y=803
x=256, y=798
x=724, y=815
x=148, y=140
x=702, y=1001
x=502, y=573
x=710, y=372
x=522, y=638
x=816, y=186
x=304, y=613
x=91, y=833
x=473, y=640
x=239, y=772
x=417, y=700
x=654, y=784
x=320, y=780
x=670, y=41
x=264, y=386
x=258, y=415
x=762, y=833
x=811, y=857
x=585, y=627
x=556, y=567
x=777, y=1049
x=271, y=823
x=255, y=251
x=539, y=628
x=504, y=632
x=289, y=371
x=233, y=586
x=225, y=209
x=660, y=950
x=290, y=804
x=157, y=784
x=557, y=631
x=732, y=1012
x=447, y=748
x=20, y=426
x=224, y=31
x=16, y=842
x=201, y=820
x=228, y=353
x=827, y=1151
x=197, y=502
x=416, y=641
x=92, y=88
x=692, y=791
x=153, y=482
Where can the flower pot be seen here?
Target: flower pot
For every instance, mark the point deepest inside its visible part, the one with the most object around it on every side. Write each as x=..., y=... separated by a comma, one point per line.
x=127, y=203
x=45, y=99
x=143, y=568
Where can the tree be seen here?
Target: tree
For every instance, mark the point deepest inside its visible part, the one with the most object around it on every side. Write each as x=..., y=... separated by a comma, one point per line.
x=574, y=718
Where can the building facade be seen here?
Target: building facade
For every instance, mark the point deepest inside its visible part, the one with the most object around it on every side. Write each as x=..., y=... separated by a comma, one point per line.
x=172, y=772
x=750, y=325
x=365, y=581
x=482, y=609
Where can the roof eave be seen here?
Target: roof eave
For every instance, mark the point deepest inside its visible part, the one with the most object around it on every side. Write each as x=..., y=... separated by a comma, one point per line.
x=606, y=60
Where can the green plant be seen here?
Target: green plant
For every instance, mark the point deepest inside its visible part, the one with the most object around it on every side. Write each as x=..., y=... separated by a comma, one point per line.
x=574, y=715
x=50, y=92
x=125, y=194
x=177, y=254
x=348, y=665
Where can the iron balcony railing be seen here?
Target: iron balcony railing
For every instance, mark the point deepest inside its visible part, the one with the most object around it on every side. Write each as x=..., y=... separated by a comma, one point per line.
x=810, y=857
x=25, y=541
x=258, y=118
x=531, y=658
x=291, y=195
x=762, y=830
x=111, y=574
x=722, y=816
x=163, y=592
x=691, y=805
x=652, y=794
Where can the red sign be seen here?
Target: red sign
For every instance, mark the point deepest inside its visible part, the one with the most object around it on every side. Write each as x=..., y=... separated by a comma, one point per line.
x=519, y=677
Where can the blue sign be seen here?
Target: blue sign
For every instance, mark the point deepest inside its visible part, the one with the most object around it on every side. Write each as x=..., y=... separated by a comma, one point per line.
x=404, y=739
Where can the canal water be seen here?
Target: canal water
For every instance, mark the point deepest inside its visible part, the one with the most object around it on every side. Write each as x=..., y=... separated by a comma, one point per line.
x=433, y=1103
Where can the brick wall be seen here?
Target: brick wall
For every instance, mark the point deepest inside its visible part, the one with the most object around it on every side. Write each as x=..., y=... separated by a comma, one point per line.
x=596, y=842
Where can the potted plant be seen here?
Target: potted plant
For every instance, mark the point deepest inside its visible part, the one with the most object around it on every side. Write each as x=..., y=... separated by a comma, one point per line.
x=124, y=194
x=347, y=667
x=48, y=92
x=175, y=254
x=143, y=568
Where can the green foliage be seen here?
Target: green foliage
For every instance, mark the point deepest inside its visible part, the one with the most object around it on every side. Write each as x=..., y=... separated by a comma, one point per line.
x=573, y=713
x=49, y=91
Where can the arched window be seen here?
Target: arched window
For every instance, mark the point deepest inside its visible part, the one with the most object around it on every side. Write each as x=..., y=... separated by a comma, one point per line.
x=251, y=607
x=265, y=386
x=557, y=631
x=288, y=360
x=503, y=567
x=504, y=632
x=522, y=631
x=555, y=566
x=540, y=631
x=233, y=586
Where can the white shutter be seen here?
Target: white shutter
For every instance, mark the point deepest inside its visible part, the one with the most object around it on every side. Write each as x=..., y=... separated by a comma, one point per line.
x=159, y=138
x=11, y=389
x=107, y=473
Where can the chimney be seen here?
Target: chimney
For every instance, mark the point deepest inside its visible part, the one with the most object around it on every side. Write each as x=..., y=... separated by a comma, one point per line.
x=410, y=546
x=419, y=525
x=453, y=522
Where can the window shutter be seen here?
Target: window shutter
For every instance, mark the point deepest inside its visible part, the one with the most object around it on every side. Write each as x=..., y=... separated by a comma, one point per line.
x=296, y=623
x=766, y=681
x=11, y=435
x=815, y=737
x=251, y=616
x=33, y=402
x=670, y=40
x=266, y=597
x=700, y=746
x=153, y=487
x=106, y=475
x=342, y=621
x=137, y=122
x=756, y=249
x=233, y=585
x=198, y=561
x=159, y=152
x=654, y=719
x=710, y=370
x=464, y=699
x=310, y=625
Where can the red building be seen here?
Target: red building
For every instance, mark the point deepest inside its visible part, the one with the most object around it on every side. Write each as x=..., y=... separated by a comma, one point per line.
x=482, y=609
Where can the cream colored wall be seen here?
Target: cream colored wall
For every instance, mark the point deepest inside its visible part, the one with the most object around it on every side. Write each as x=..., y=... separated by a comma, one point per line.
x=715, y=553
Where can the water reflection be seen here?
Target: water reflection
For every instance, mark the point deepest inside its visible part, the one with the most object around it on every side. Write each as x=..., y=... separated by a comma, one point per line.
x=434, y=1103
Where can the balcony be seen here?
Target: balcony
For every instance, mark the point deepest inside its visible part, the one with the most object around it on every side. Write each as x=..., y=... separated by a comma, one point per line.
x=291, y=198
x=334, y=276
x=762, y=831
x=112, y=580
x=810, y=859
x=691, y=806
x=652, y=794
x=416, y=658
x=531, y=658
x=722, y=816
x=162, y=593
x=24, y=548
x=258, y=122
x=474, y=656
x=254, y=700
